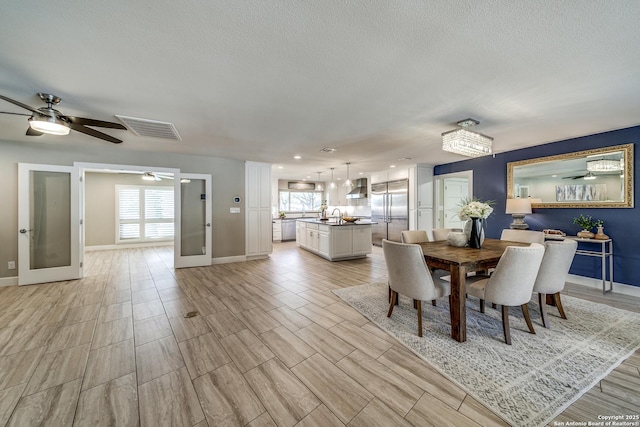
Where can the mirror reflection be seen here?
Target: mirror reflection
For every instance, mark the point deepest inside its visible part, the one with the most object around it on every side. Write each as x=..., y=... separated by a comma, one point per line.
x=592, y=178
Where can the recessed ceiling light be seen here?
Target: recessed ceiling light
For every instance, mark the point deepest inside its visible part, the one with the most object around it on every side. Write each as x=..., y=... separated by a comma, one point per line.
x=297, y=157
x=392, y=166
x=279, y=167
x=361, y=173
x=554, y=176
x=308, y=177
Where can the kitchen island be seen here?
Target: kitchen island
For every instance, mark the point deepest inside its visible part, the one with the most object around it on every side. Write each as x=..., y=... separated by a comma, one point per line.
x=333, y=240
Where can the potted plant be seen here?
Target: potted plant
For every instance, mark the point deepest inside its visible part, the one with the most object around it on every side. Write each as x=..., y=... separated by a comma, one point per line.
x=599, y=224
x=586, y=223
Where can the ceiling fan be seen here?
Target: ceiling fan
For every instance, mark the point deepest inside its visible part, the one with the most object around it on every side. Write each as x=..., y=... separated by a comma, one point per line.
x=51, y=121
x=587, y=176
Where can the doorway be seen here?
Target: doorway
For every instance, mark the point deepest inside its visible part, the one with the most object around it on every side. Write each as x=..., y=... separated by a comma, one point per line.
x=451, y=190
x=38, y=209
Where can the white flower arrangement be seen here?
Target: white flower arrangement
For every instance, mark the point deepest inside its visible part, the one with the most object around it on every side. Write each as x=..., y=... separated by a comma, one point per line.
x=474, y=208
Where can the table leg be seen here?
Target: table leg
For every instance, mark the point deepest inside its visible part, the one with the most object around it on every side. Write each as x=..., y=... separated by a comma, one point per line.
x=458, y=300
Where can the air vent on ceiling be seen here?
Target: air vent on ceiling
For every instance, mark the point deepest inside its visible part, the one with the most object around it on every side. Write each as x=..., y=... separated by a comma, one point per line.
x=328, y=150
x=151, y=128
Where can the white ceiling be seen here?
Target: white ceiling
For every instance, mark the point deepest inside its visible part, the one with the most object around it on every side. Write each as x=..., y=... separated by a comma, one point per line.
x=377, y=80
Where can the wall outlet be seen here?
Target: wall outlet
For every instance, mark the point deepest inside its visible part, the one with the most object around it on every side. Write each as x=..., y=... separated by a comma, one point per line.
x=11, y=265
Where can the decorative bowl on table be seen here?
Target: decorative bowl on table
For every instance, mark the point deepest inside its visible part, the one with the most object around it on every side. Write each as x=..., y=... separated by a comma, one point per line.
x=458, y=239
x=350, y=219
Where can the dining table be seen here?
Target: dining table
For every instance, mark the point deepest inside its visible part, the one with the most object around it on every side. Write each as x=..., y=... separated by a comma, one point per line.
x=459, y=261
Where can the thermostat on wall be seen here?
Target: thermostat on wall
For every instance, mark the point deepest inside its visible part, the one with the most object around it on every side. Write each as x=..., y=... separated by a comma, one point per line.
x=236, y=199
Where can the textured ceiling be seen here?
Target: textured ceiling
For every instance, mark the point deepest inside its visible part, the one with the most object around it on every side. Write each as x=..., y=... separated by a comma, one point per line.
x=377, y=80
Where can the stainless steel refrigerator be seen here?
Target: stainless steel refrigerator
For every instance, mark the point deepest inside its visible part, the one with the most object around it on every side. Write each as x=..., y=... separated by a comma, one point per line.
x=390, y=209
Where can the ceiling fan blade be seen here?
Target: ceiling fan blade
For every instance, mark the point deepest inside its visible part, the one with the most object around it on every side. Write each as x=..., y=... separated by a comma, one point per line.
x=20, y=104
x=94, y=133
x=32, y=132
x=91, y=122
x=15, y=114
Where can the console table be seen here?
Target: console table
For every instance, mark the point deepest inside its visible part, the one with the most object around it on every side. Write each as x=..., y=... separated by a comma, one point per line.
x=606, y=251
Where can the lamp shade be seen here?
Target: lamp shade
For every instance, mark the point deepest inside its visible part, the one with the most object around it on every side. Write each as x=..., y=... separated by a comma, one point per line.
x=518, y=206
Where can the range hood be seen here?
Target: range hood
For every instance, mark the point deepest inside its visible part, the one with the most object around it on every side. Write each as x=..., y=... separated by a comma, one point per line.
x=360, y=191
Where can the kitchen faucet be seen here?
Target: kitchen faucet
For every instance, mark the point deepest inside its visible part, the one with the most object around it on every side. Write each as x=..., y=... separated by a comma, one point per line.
x=339, y=214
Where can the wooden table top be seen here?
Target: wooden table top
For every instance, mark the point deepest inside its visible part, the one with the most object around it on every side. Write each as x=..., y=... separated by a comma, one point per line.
x=443, y=253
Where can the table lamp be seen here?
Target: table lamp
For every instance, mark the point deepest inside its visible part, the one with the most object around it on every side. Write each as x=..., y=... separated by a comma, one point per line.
x=518, y=208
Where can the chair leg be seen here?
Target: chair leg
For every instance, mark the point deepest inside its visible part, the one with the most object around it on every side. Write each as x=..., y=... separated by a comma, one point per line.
x=542, y=301
x=556, y=298
x=419, y=307
x=394, y=295
x=505, y=324
x=433, y=303
x=481, y=306
x=527, y=318
x=415, y=304
x=493, y=305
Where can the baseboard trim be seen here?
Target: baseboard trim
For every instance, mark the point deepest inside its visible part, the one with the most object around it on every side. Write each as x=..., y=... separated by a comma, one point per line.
x=8, y=281
x=126, y=246
x=618, y=288
x=228, y=259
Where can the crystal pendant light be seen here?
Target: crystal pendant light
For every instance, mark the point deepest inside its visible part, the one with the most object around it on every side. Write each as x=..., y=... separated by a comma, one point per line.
x=603, y=165
x=466, y=142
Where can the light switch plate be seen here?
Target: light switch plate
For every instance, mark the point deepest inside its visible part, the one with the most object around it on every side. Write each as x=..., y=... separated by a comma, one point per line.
x=234, y=210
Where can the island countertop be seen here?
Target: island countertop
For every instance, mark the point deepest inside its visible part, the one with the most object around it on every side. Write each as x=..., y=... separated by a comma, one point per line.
x=334, y=222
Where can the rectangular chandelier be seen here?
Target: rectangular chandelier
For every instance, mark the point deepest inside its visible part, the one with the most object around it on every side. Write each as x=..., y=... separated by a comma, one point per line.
x=604, y=165
x=466, y=142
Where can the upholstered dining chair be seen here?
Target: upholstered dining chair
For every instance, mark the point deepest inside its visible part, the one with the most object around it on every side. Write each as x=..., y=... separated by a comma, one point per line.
x=408, y=275
x=442, y=233
x=414, y=236
x=511, y=283
x=523, y=236
x=552, y=275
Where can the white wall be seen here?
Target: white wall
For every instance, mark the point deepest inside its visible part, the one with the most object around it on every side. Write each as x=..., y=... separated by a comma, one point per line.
x=228, y=230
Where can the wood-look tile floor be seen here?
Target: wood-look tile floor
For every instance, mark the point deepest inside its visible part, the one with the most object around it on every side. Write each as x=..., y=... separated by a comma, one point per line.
x=271, y=346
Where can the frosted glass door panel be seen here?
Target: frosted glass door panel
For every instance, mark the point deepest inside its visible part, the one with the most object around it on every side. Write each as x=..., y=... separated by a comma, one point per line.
x=193, y=221
x=50, y=222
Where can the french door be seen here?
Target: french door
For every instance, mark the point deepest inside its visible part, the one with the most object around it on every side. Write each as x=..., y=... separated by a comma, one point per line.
x=48, y=223
x=192, y=247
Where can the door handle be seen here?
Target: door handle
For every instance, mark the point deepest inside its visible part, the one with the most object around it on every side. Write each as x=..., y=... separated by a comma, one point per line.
x=208, y=224
x=23, y=231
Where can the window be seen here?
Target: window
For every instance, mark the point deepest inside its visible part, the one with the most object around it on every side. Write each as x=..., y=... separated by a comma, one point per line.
x=300, y=201
x=144, y=213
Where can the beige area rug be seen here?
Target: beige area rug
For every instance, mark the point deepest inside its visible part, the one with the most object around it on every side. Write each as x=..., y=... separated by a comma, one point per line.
x=527, y=383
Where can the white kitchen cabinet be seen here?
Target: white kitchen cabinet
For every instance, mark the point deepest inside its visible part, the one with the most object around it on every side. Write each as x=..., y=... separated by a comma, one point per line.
x=342, y=242
x=394, y=174
x=361, y=241
x=277, y=230
x=337, y=196
x=334, y=242
x=312, y=237
x=301, y=233
x=259, y=224
x=324, y=241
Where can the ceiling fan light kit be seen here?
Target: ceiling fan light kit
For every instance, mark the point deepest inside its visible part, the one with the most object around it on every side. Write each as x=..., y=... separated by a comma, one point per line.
x=47, y=120
x=49, y=124
x=467, y=142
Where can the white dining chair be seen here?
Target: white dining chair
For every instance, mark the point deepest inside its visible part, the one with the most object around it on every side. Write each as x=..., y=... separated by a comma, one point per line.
x=408, y=275
x=414, y=236
x=511, y=283
x=440, y=234
x=552, y=275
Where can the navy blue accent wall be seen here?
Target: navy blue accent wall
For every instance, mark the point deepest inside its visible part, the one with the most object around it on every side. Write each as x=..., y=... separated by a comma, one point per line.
x=622, y=224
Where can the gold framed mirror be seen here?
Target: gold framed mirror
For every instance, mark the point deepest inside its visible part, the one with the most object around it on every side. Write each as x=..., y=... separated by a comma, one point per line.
x=598, y=178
